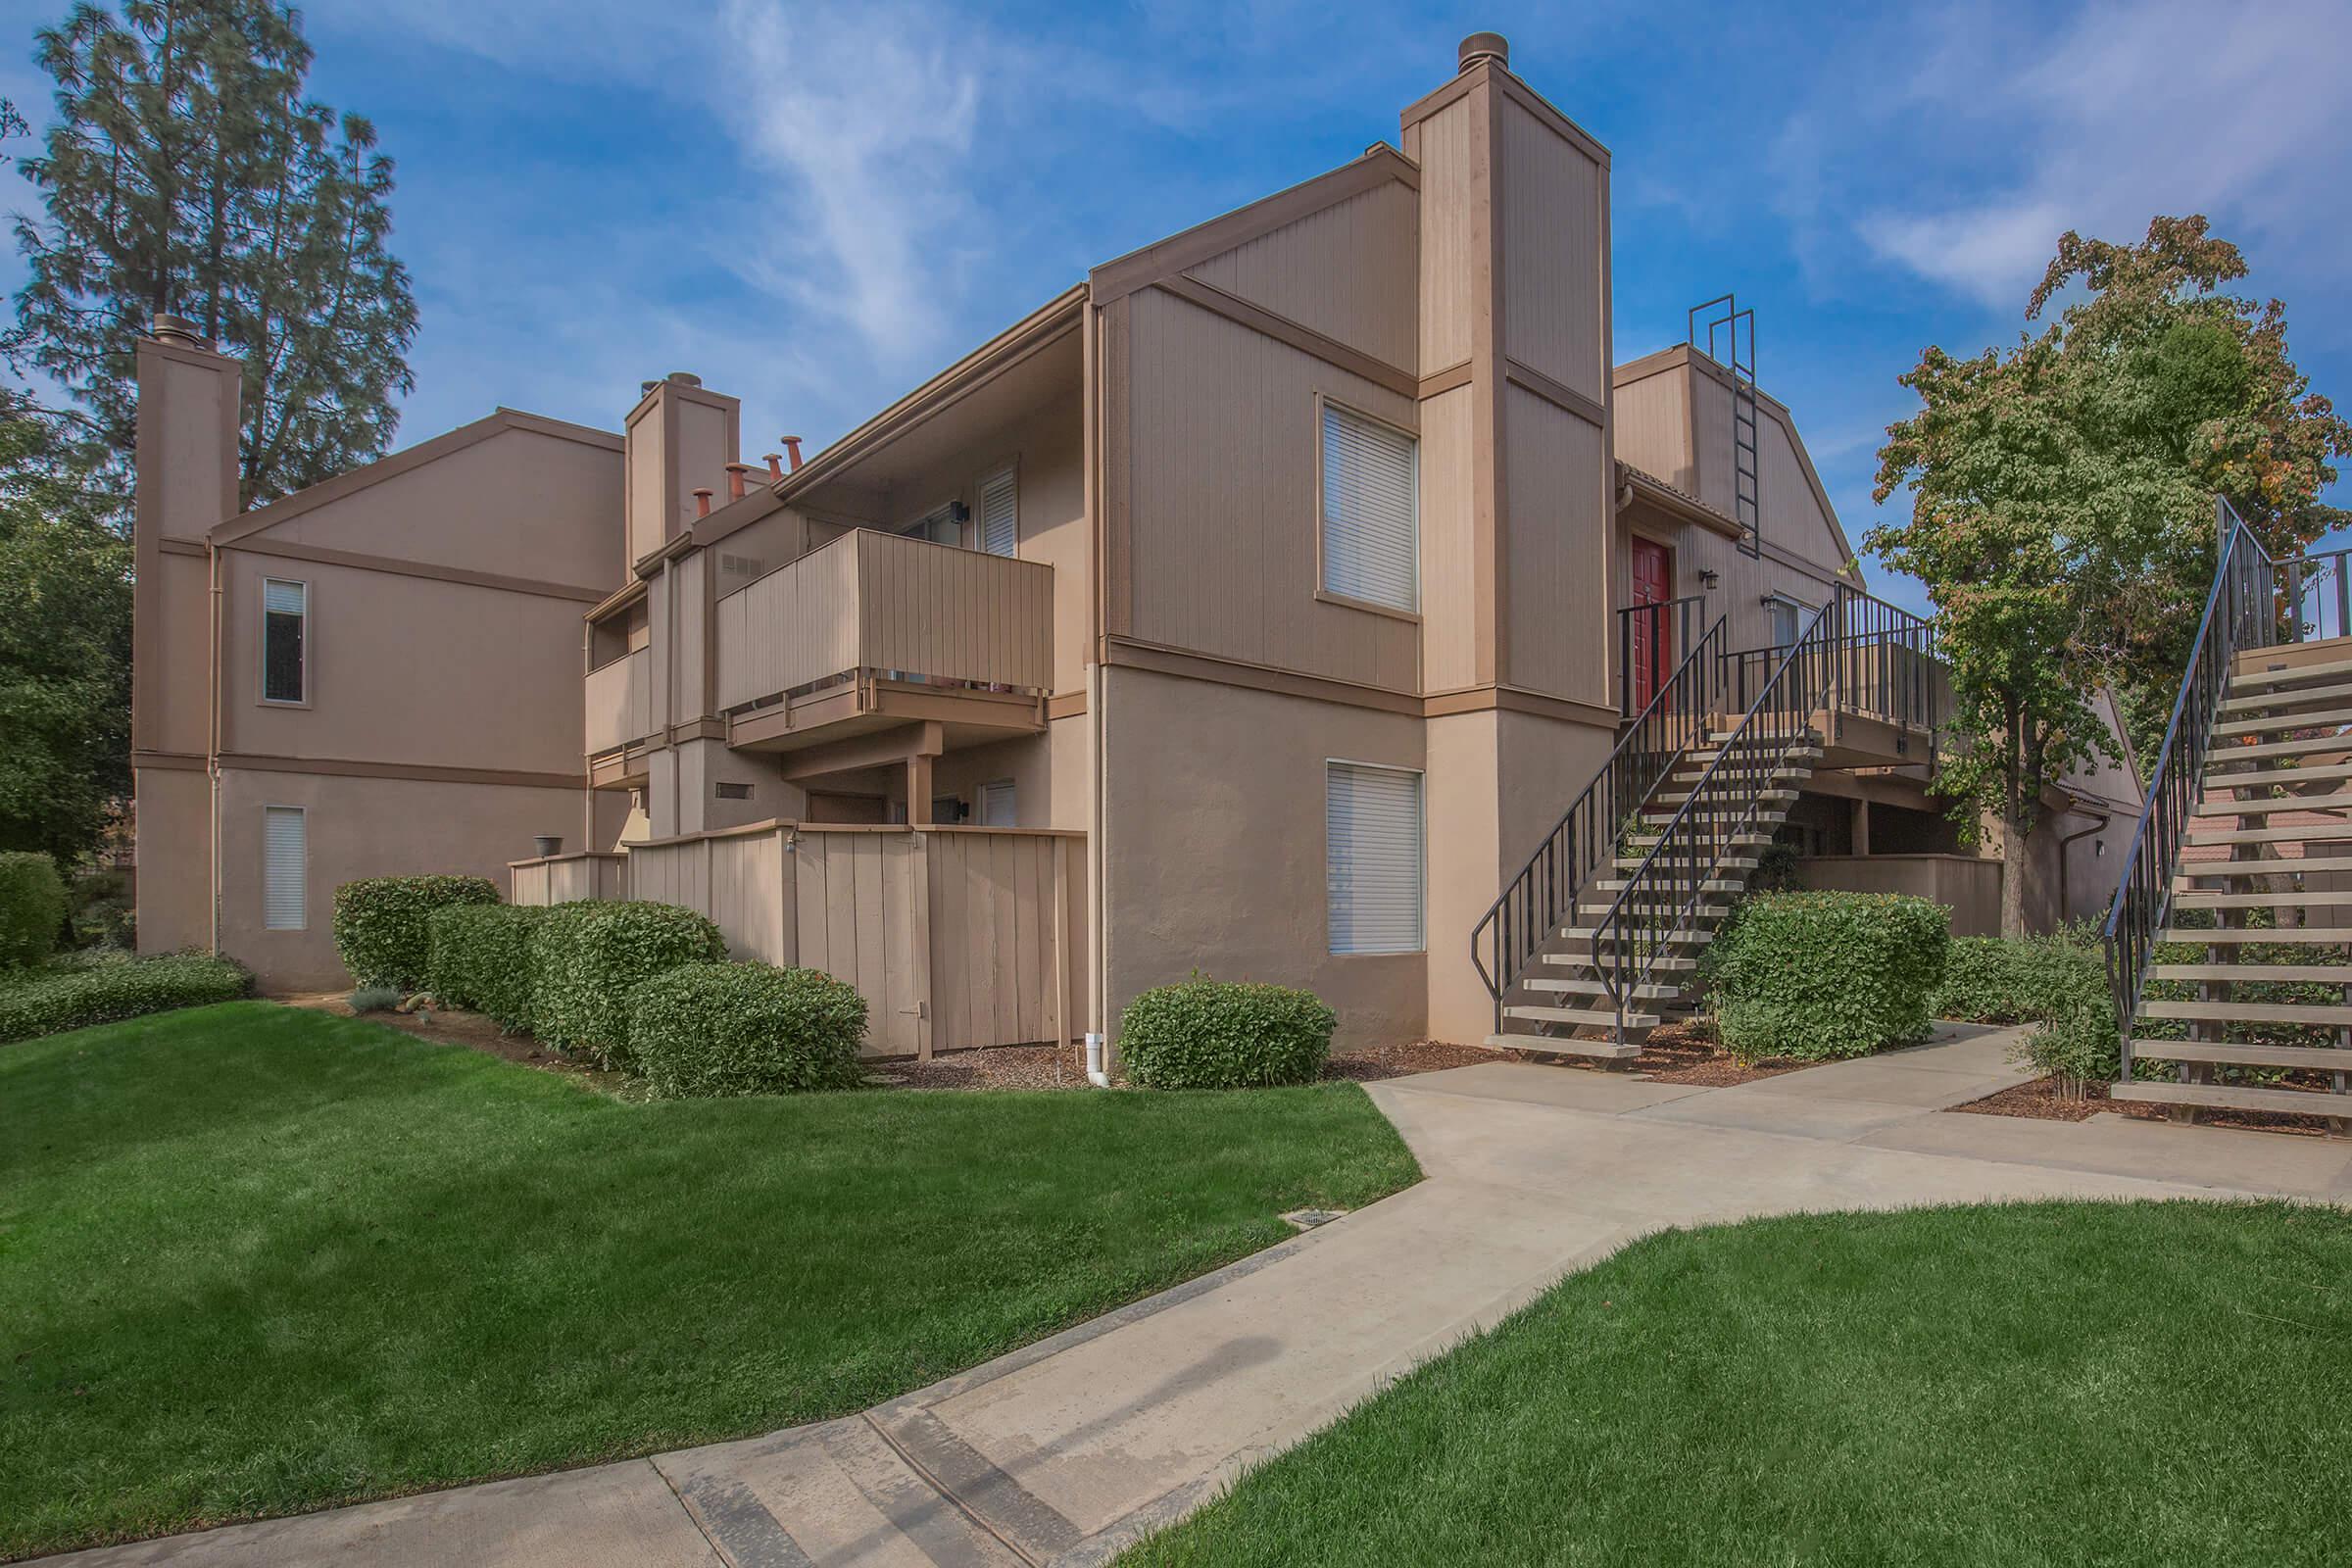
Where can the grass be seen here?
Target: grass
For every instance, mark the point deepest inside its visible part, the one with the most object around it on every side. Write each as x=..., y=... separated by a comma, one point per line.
x=254, y=1260
x=2045, y=1383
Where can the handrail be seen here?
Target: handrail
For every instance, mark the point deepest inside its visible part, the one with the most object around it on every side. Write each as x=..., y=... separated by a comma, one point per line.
x=1517, y=923
x=1687, y=614
x=1741, y=769
x=2242, y=609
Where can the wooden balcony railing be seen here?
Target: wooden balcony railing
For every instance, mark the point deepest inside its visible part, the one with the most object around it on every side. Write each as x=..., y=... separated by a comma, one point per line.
x=881, y=603
x=620, y=701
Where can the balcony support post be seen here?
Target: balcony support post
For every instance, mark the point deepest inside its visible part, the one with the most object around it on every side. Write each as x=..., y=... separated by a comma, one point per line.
x=919, y=789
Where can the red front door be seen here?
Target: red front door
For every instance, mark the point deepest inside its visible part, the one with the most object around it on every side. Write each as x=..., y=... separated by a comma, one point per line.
x=1653, y=640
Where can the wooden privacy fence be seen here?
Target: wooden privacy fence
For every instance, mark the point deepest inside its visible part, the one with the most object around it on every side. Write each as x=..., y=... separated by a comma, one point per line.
x=955, y=936
x=565, y=878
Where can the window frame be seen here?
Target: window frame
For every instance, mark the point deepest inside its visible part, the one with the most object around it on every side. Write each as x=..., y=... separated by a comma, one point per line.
x=981, y=803
x=1324, y=592
x=1778, y=600
x=1008, y=468
x=309, y=646
x=1420, y=778
x=304, y=813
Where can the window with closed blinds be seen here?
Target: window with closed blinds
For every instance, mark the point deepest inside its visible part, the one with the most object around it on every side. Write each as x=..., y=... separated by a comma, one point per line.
x=286, y=617
x=996, y=807
x=1371, y=512
x=1000, y=514
x=1372, y=863
x=285, y=863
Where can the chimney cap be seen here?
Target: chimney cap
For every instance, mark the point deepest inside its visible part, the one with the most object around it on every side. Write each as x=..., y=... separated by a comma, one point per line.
x=1479, y=46
x=685, y=378
x=176, y=330
x=645, y=388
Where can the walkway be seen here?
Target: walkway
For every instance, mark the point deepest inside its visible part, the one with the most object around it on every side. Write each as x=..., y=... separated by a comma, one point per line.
x=1068, y=1449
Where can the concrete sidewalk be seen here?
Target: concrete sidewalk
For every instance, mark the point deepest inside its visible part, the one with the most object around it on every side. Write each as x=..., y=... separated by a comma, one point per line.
x=1068, y=1450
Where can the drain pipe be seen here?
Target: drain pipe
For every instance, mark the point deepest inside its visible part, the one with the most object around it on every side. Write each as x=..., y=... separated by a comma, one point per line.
x=2065, y=843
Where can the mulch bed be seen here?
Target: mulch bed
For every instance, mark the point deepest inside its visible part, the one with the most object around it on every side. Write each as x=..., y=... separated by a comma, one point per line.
x=451, y=1026
x=2042, y=1099
x=1064, y=1067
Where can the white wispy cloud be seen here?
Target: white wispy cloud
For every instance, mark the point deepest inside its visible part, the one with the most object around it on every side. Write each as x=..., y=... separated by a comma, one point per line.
x=2126, y=112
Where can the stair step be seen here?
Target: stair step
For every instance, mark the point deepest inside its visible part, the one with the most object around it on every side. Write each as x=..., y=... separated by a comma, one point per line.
x=1734, y=862
x=2315, y=974
x=2331, y=1014
x=2280, y=677
x=1692, y=775
x=2266, y=805
x=1597, y=1018
x=2313, y=833
x=1684, y=938
x=2340, y=745
x=1758, y=794
x=1700, y=912
x=2315, y=1058
x=2232, y=1096
x=2186, y=900
x=1713, y=885
x=1597, y=988
x=2244, y=934
x=1561, y=1046
x=2288, y=697
x=2241, y=868
x=2253, y=778
x=1583, y=960
x=2319, y=719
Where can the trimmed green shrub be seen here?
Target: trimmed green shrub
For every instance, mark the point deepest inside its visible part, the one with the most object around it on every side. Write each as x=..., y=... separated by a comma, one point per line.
x=701, y=1031
x=1815, y=976
x=481, y=959
x=73, y=996
x=586, y=958
x=1218, y=1033
x=374, y=998
x=380, y=924
x=2004, y=980
x=2076, y=1042
x=32, y=907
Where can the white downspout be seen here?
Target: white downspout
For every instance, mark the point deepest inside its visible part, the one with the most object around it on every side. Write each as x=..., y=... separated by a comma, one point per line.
x=1098, y=1064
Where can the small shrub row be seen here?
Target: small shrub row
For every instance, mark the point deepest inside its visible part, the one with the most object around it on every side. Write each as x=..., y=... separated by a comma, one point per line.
x=382, y=924
x=587, y=957
x=32, y=907
x=2021, y=979
x=481, y=959
x=74, y=996
x=1816, y=976
x=1211, y=1034
x=708, y=1030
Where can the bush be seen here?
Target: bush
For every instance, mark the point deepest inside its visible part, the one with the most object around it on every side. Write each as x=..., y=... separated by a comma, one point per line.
x=380, y=924
x=374, y=998
x=73, y=996
x=1815, y=976
x=32, y=907
x=2076, y=1042
x=481, y=959
x=587, y=957
x=1214, y=1034
x=2005, y=980
x=705, y=1030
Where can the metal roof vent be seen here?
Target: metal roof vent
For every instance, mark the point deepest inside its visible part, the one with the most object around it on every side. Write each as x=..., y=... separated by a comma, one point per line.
x=1479, y=46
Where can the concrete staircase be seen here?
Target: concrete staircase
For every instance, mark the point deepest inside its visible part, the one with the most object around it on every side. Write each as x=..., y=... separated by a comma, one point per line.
x=1562, y=1004
x=2282, y=744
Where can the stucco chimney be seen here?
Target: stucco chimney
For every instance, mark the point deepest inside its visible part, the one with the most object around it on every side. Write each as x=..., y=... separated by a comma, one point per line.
x=1479, y=46
x=701, y=502
x=792, y=444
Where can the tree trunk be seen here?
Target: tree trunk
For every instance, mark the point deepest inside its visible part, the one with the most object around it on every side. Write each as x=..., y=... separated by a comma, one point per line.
x=2014, y=867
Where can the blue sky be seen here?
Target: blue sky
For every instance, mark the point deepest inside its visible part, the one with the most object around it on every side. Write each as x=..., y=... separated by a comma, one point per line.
x=815, y=205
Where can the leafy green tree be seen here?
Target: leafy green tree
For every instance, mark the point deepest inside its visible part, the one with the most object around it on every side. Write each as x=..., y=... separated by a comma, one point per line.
x=64, y=647
x=2062, y=506
x=186, y=172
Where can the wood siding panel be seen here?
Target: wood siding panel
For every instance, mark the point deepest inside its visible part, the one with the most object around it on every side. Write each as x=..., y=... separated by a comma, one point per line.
x=1556, y=638
x=620, y=701
x=1653, y=429
x=872, y=600
x=1349, y=271
x=1793, y=517
x=1551, y=209
x=1225, y=457
x=996, y=937
x=1454, y=267
x=1449, y=586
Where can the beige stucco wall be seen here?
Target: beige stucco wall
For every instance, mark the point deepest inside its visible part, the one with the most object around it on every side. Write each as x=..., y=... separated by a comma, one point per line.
x=174, y=849
x=1216, y=845
x=363, y=827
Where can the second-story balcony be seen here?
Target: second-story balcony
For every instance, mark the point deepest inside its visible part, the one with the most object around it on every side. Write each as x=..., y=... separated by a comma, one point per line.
x=874, y=630
x=620, y=701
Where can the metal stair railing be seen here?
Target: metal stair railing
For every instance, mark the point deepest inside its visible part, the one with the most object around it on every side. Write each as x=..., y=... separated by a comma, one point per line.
x=2243, y=609
x=1532, y=903
x=1660, y=898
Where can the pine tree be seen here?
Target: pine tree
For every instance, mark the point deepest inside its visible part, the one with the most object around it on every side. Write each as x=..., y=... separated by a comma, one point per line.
x=187, y=173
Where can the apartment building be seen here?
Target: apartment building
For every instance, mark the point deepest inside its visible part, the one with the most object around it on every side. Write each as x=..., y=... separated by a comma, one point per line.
x=1258, y=605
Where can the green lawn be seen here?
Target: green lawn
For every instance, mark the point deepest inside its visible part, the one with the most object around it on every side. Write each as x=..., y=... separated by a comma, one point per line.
x=254, y=1260
x=2052, y=1384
